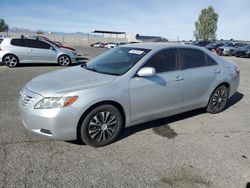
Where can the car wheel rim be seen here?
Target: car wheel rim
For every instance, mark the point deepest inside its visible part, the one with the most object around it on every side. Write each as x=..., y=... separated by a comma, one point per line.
x=102, y=126
x=64, y=60
x=219, y=99
x=10, y=61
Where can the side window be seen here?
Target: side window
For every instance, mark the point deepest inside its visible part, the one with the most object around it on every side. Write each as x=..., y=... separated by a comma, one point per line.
x=210, y=60
x=192, y=58
x=18, y=42
x=38, y=44
x=43, y=45
x=163, y=61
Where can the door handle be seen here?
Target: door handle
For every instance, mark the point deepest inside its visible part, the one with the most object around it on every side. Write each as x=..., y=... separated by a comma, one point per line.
x=179, y=78
x=217, y=71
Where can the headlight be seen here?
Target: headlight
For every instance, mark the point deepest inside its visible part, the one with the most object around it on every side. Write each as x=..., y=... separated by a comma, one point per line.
x=55, y=102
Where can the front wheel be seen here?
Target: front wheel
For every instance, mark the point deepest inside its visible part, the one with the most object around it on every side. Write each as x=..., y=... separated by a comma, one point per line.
x=101, y=126
x=64, y=60
x=231, y=53
x=218, y=100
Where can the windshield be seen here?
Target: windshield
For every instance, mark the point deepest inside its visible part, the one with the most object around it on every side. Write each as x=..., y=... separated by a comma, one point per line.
x=116, y=61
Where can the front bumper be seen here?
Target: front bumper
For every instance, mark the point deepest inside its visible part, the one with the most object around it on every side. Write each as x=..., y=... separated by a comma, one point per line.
x=225, y=52
x=56, y=123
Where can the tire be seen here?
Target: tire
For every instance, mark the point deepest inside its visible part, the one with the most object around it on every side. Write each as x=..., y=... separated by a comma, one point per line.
x=218, y=100
x=64, y=60
x=101, y=126
x=231, y=53
x=10, y=60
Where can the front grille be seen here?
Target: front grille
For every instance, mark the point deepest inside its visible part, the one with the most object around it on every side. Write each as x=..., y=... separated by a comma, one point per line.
x=25, y=100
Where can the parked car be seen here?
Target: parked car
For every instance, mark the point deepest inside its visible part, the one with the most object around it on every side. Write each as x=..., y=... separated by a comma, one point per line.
x=229, y=49
x=98, y=45
x=213, y=46
x=120, y=43
x=16, y=50
x=243, y=51
x=58, y=43
x=110, y=45
x=200, y=43
x=125, y=86
x=2, y=37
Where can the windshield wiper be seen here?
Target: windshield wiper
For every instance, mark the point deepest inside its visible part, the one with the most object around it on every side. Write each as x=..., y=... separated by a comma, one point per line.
x=95, y=70
x=88, y=68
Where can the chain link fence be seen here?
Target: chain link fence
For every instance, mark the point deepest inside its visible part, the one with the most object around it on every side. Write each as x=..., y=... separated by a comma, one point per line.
x=79, y=39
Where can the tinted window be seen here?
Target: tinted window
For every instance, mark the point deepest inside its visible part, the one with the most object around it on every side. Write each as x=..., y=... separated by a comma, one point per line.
x=38, y=44
x=163, y=61
x=192, y=58
x=210, y=60
x=18, y=42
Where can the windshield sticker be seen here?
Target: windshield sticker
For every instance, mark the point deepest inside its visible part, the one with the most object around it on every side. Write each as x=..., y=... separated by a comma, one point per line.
x=138, y=52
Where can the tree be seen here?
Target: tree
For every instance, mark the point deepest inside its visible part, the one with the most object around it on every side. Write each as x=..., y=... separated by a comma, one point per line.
x=206, y=25
x=3, y=26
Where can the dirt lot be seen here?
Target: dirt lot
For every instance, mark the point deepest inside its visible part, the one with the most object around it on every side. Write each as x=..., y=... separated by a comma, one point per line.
x=194, y=149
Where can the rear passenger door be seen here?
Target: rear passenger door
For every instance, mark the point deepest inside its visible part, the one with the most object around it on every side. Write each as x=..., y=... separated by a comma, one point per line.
x=200, y=73
x=42, y=52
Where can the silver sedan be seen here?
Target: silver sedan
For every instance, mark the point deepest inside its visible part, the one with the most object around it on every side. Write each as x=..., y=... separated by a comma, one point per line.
x=17, y=50
x=126, y=86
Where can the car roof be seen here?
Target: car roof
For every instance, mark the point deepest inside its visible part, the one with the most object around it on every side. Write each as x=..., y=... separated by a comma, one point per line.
x=160, y=45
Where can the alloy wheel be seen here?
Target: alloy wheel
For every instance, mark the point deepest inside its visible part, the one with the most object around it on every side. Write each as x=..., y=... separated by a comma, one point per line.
x=102, y=126
x=219, y=99
x=64, y=60
x=10, y=61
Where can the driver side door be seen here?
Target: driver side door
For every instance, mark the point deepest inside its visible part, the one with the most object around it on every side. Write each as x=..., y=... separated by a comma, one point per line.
x=159, y=95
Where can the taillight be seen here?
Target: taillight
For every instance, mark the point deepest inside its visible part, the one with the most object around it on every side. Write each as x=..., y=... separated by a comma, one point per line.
x=237, y=70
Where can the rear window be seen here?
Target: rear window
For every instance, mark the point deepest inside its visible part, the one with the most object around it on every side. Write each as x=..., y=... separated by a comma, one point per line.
x=210, y=60
x=18, y=42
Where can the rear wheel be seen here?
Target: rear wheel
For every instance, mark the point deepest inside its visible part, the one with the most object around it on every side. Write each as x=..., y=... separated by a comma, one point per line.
x=64, y=60
x=218, y=100
x=10, y=60
x=101, y=126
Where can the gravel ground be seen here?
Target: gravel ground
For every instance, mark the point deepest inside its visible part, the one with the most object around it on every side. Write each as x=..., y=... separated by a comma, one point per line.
x=194, y=149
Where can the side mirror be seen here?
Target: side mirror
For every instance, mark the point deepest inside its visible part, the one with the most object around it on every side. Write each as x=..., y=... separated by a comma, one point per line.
x=146, y=72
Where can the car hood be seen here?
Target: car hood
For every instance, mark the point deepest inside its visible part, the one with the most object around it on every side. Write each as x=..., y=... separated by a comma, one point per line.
x=67, y=80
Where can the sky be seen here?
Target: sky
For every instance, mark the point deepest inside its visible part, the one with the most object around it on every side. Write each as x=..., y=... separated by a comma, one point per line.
x=170, y=19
